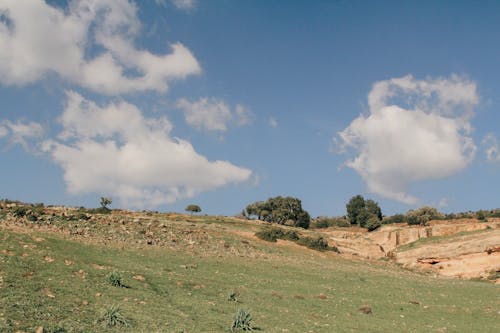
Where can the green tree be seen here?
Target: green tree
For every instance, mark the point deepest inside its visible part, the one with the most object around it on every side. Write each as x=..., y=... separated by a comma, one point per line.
x=193, y=209
x=422, y=215
x=105, y=202
x=365, y=213
x=354, y=207
x=280, y=210
x=373, y=208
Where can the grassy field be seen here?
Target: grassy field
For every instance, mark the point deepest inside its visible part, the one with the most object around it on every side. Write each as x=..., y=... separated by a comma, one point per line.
x=60, y=281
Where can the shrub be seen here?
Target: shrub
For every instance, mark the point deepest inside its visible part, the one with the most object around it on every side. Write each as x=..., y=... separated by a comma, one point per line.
x=242, y=321
x=398, y=218
x=115, y=279
x=113, y=317
x=271, y=234
x=326, y=222
x=20, y=211
x=481, y=215
x=290, y=235
x=372, y=223
x=317, y=243
x=423, y=215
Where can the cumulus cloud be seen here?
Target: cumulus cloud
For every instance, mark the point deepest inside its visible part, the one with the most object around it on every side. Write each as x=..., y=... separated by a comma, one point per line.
x=212, y=114
x=115, y=150
x=415, y=130
x=492, y=149
x=20, y=132
x=91, y=44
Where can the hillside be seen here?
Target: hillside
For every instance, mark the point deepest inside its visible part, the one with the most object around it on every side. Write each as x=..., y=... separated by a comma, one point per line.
x=185, y=273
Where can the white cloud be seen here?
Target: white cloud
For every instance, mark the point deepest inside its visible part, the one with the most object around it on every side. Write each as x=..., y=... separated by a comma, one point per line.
x=209, y=114
x=114, y=150
x=492, y=149
x=273, y=122
x=3, y=131
x=20, y=132
x=212, y=114
x=416, y=130
x=243, y=115
x=184, y=4
x=27, y=54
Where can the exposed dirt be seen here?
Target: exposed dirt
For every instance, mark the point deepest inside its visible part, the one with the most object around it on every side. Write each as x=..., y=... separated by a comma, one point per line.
x=458, y=248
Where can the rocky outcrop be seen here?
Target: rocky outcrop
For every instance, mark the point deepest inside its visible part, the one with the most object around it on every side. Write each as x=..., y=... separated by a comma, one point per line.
x=474, y=254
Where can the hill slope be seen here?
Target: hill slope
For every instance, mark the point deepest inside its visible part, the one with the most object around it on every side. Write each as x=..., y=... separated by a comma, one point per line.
x=179, y=270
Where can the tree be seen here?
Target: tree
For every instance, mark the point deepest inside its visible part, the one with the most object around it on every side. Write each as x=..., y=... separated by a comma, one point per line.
x=280, y=210
x=193, y=209
x=422, y=215
x=354, y=207
x=365, y=213
x=105, y=202
x=373, y=208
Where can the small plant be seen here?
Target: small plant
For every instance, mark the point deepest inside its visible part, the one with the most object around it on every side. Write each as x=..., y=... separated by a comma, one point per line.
x=115, y=279
x=242, y=321
x=233, y=296
x=112, y=317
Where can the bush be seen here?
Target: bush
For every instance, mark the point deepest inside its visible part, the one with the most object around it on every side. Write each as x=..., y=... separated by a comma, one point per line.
x=423, y=215
x=326, y=222
x=290, y=235
x=372, y=223
x=317, y=243
x=242, y=321
x=271, y=234
x=481, y=215
x=398, y=218
x=20, y=211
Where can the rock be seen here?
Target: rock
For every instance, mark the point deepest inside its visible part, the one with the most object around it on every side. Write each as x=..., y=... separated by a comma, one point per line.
x=365, y=309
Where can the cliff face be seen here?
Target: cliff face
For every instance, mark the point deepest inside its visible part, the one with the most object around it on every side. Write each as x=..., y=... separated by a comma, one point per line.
x=458, y=248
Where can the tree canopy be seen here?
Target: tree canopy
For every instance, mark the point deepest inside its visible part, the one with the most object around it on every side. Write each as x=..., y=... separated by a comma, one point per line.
x=280, y=210
x=193, y=208
x=365, y=213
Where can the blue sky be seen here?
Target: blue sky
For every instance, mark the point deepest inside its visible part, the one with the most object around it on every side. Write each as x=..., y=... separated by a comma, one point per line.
x=163, y=103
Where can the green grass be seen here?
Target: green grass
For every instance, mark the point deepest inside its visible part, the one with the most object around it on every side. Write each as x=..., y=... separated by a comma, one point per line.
x=62, y=283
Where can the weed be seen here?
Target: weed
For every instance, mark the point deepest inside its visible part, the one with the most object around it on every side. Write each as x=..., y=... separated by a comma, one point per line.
x=115, y=279
x=242, y=321
x=233, y=296
x=112, y=317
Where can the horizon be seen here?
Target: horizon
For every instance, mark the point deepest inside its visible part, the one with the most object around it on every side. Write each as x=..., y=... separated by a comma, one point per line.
x=163, y=104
